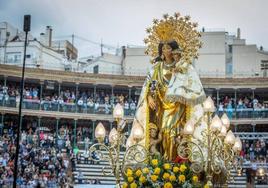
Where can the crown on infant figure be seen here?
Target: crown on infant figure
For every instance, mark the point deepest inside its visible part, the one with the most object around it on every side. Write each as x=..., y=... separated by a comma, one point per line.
x=153, y=126
x=177, y=28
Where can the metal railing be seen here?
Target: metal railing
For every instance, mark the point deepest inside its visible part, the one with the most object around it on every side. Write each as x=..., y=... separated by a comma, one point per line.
x=252, y=135
x=32, y=104
x=235, y=74
x=258, y=165
x=245, y=113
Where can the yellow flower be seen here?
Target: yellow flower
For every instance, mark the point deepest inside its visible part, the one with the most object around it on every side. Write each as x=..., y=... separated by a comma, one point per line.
x=166, y=176
x=167, y=166
x=172, y=178
x=154, y=178
x=129, y=172
x=183, y=168
x=142, y=179
x=154, y=162
x=206, y=186
x=133, y=185
x=145, y=170
x=125, y=185
x=181, y=178
x=157, y=171
x=130, y=179
x=138, y=173
x=168, y=185
x=176, y=169
x=195, y=179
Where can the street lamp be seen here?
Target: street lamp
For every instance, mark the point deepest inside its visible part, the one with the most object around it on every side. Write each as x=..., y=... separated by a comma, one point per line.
x=216, y=124
x=135, y=153
x=209, y=105
x=215, y=149
x=225, y=120
x=230, y=138
x=26, y=29
x=237, y=145
x=138, y=133
x=188, y=128
x=118, y=112
x=100, y=132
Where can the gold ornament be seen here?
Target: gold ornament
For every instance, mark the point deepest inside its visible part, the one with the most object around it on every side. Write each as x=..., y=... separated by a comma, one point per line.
x=177, y=28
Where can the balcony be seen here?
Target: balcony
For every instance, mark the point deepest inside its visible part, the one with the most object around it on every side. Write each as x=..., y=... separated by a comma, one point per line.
x=85, y=111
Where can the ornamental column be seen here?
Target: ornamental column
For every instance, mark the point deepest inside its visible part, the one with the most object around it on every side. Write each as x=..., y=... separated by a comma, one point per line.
x=129, y=93
x=76, y=97
x=93, y=132
x=59, y=90
x=41, y=93
x=235, y=101
x=74, y=131
x=57, y=130
x=218, y=97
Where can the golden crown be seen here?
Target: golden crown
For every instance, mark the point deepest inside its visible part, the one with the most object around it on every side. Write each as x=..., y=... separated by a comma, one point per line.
x=177, y=28
x=153, y=126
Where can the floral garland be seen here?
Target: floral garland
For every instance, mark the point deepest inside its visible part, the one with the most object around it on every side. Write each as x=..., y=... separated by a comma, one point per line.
x=158, y=173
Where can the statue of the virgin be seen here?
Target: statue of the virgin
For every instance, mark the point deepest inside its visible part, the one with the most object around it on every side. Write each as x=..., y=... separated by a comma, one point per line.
x=172, y=92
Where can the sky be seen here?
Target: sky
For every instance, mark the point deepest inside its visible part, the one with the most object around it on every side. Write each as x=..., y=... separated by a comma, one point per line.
x=123, y=22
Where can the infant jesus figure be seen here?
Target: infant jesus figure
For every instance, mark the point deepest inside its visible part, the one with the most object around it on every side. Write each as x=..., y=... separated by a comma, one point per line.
x=155, y=139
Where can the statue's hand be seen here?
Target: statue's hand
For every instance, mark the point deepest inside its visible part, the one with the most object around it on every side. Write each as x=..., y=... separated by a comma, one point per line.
x=151, y=102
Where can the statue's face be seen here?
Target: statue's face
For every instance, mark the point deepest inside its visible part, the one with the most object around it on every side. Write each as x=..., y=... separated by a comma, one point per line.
x=177, y=57
x=153, y=133
x=167, y=51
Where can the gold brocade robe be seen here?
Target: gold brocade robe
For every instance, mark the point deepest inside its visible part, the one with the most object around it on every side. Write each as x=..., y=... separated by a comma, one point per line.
x=168, y=116
x=175, y=96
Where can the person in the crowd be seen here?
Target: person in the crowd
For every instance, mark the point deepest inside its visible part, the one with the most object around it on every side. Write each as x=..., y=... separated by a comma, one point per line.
x=80, y=177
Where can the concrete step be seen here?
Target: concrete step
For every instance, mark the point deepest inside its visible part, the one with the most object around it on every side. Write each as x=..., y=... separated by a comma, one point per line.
x=106, y=178
x=84, y=166
x=108, y=182
x=238, y=183
x=99, y=174
x=238, y=177
x=103, y=151
x=94, y=186
x=93, y=170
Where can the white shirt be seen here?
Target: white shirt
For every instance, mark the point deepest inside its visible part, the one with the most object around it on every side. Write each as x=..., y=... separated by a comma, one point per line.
x=221, y=107
x=126, y=106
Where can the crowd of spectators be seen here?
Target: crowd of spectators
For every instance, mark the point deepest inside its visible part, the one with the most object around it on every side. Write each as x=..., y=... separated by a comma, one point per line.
x=245, y=102
x=68, y=100
x=254, y=155
x=41, y=162
x=245, y=107
x=103, y=102
x=254, y=150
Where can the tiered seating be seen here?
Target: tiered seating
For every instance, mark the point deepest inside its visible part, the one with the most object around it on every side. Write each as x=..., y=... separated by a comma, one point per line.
x=94, y=171
x=241, y=181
